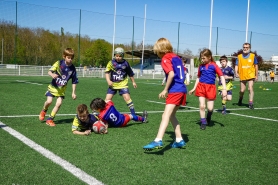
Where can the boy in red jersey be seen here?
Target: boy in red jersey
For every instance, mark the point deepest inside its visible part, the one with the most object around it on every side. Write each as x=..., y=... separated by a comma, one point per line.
x=205, y=85
x=111, y=116
x=174, y=92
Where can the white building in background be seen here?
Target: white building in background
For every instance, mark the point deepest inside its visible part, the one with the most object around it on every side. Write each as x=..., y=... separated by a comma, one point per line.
x=274, y=60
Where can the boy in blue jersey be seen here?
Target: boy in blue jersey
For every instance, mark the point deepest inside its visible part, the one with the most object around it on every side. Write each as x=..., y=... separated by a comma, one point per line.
x=228, y=74
x=111, y=116
x=174, y=92
x=83, y=121
x=61, y=72
x=116, y=74
x=205, y=86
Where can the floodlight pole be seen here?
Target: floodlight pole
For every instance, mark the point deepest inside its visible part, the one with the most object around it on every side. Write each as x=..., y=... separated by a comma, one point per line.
x=2, y=60
x=211, y=10
x=247, y=20
x=114, y=28
x=143, y=40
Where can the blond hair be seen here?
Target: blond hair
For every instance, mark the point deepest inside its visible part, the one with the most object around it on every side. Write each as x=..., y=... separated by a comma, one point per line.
x=162, y=46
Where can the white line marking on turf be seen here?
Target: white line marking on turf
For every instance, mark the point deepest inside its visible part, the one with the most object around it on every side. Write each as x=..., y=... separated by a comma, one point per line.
x=56, y=159
x=254, y=117
x=28, y=82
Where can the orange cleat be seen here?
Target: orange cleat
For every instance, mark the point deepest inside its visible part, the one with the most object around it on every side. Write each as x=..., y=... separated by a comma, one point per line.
x=50, y=122
x=42, y=115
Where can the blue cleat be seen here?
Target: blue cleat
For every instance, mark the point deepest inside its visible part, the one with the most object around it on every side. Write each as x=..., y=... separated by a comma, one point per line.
x=181, y=144
x=153, y=145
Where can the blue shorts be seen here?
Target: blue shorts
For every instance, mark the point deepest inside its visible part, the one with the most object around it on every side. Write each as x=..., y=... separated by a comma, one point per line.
x=49, y=94
x=114, y=91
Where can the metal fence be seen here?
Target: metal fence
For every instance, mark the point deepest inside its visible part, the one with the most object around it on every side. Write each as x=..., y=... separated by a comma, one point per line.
x=129, y=29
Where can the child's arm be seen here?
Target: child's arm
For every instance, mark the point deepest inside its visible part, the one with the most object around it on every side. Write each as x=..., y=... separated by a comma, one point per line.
x=73, y=95
x=196, y=83
x=53, y=75
x=86, y=133
x=109, y=82
x=224, y=90
x=170, y=78
x=133, y=81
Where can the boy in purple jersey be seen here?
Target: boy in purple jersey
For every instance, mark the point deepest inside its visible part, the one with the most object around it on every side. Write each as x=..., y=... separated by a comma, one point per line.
x=116, y=74
x=174, y=92
x=61, y=72
x=111, y=116
x=228, y=73
x=83, y=121
x=205, y=86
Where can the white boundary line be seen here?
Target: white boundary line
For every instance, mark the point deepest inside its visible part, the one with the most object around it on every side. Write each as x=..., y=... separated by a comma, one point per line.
x=56, y=159
x=28, y=82
x=254, y=117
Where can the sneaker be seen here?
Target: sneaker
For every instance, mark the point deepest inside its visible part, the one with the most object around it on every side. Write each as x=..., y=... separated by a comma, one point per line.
x=251, y=106
x=145, y=116
x=42, y=115
x=203, y=126
x=181, y=144
x=153, y=145
x=224, y=112
x=50, y=122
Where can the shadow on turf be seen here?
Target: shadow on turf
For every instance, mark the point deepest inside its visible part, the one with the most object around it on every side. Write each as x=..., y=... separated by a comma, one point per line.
x=168, y=147
x=212, y=123
x=242, y=105
x=64, y=121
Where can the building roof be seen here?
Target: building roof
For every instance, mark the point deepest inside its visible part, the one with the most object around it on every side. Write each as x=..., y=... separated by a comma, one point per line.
x=148, y=53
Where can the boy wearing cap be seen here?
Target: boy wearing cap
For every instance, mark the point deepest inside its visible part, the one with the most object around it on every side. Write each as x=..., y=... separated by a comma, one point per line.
x=116, y=74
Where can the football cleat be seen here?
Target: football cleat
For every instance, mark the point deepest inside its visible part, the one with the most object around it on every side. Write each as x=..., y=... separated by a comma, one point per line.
x=145, y=116
x=251, y=106
x=42, y=115
x=50, y=122
x=239, y=102
x=180, y=144
x=203, y=126
x=153, y=145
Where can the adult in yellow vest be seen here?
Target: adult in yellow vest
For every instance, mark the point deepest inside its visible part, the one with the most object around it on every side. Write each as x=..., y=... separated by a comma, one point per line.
x=272, y=75
x=247, y=70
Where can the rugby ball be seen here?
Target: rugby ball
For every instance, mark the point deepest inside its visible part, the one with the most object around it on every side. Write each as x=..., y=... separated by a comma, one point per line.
x=99, y=127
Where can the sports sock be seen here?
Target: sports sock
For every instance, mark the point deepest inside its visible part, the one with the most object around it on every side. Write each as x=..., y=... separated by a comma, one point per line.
x=204, y=121
x=178, y=140
x=52, y=115
x=209, y=116
x=130, y=105
x=137, y=118
x=157, y=139
x=250, y=102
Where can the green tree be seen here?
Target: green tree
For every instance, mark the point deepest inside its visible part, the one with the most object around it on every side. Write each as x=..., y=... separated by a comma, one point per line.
x=98, y=54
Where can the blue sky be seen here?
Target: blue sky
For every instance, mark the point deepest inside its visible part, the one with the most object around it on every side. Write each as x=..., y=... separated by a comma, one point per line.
x=227, y=15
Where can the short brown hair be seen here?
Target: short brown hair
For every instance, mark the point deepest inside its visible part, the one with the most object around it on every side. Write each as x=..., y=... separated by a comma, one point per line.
x=68, y=52
x=246, y=43
x=81, y=109
x=223, y=58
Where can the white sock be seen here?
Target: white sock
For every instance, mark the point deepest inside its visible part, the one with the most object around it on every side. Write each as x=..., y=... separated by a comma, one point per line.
x=178, y=140
x=157, y=139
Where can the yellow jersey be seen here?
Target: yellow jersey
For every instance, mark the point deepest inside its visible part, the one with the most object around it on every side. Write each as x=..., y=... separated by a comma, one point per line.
x=246, y=66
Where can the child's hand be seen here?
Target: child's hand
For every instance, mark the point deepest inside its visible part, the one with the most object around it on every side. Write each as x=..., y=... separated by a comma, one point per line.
x=73, y=96
x=134, y=85
x=87, y=132
x=163, y=94
x=110, y=83
x=54, y=76
x=224, y=93
x=191, y=92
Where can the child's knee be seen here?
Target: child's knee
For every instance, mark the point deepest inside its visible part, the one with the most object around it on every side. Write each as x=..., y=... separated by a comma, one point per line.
x=202, y=107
